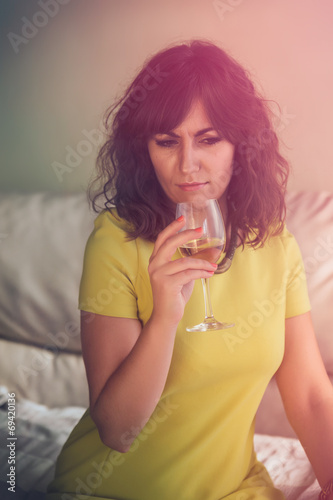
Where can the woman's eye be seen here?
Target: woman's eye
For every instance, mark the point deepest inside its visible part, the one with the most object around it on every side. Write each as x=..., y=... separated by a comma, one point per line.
x=167, y=143
x=211, y=140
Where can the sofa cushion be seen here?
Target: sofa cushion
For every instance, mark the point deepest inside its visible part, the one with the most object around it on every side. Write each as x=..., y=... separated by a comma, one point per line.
x=42, y=240
x=53, y=378
x=310, y=219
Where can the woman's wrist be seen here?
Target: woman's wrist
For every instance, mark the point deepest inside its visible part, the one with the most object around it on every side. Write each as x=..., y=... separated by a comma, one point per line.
x=327, y=491
x=162, y=324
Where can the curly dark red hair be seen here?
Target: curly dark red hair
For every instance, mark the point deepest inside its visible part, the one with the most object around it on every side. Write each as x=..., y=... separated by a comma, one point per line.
x=158, y=100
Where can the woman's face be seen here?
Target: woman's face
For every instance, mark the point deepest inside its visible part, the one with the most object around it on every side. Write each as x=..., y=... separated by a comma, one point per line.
x=193, y=160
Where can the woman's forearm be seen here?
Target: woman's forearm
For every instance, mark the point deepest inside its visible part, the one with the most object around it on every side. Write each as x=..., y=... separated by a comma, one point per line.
x=314, y=429
x=132, y=392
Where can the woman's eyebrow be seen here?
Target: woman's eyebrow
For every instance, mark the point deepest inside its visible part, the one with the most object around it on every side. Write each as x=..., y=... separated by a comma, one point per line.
x=197, y=134
x=203, y=131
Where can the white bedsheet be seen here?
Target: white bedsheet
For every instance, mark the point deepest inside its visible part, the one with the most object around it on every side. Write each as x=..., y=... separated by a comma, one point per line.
x=288, y=466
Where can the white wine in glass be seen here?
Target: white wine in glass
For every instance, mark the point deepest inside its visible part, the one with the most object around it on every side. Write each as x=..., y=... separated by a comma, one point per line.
x=210, y=245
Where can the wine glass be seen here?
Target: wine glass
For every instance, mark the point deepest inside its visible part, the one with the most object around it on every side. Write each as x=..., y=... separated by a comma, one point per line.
x=205, y=214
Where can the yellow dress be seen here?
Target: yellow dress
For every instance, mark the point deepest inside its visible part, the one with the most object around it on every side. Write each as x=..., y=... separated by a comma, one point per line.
x=198, y=443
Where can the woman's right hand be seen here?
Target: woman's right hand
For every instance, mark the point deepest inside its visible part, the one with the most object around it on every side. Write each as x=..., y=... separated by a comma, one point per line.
x=172, y=281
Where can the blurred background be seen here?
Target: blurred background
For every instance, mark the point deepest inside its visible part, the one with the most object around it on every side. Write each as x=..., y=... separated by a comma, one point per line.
x=64, y=61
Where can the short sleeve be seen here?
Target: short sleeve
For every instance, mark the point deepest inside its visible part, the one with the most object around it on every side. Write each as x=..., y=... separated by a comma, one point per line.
x=107, y=284
x=297, y=298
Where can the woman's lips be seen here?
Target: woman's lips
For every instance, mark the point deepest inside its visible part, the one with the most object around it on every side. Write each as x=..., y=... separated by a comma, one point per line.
x=192, y=186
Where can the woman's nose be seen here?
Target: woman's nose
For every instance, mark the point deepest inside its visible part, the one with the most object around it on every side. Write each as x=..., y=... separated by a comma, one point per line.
x=189, y=160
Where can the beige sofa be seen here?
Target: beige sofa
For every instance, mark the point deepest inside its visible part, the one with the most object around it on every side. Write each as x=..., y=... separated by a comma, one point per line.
x=42, y=239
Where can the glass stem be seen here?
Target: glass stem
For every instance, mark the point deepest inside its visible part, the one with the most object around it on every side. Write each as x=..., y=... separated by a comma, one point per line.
x=208, y=305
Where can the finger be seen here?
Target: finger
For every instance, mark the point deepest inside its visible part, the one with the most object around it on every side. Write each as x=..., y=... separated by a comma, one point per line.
x=186, y=264
x=181, y=271
x=171, y=281
x=170, y=230
x=166, y=250
x=184, y=277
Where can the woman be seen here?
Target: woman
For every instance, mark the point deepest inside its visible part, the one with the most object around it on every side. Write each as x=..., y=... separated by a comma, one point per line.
x=172, y=413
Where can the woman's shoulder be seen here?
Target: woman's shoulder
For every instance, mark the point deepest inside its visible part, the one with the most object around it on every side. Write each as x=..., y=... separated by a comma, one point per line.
x=278, y=245
x=110, y=223
x=281, y=238
x=284, y=244
x=286, y=238
x=111, y=235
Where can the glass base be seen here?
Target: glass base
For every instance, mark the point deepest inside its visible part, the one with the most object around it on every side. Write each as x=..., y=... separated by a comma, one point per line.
x=209, y=325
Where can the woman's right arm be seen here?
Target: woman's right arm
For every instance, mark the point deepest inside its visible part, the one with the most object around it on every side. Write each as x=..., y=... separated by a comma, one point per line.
x=127, y=365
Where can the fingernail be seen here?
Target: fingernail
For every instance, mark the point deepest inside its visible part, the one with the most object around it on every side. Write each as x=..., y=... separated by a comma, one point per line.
x=213, y=264
x=180, y=219
x=198, y=229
